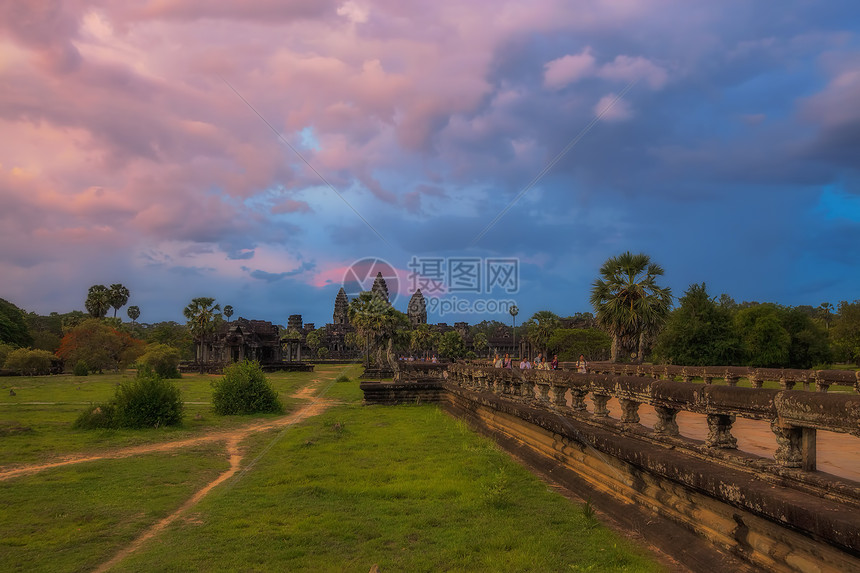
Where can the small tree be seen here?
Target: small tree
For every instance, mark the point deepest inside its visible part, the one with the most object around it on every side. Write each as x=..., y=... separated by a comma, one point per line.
x=244, y=389
x=451, y=345
x=162, y=359
x=203, y=316
x=228, y=312
x=133, y=313
x=100, y=346
x=98, y=301
x=29, y=362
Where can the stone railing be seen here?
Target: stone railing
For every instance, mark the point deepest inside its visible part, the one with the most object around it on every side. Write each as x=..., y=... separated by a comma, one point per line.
x=794, y=416
x=788, y=378
x=420, y=371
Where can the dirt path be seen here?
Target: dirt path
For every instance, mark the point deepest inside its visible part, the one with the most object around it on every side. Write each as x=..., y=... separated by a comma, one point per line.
x=232, y=439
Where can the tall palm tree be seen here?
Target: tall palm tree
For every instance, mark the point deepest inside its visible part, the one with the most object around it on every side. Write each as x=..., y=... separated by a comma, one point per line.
x=98, y=301
x=228, y=312
x=133, y=313
x=118, y=296
x=540, y=327
x=203, y=316
x=629, y=303
x=376, y=320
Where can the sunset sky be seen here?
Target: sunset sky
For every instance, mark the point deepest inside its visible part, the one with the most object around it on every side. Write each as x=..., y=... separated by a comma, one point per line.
x=141, y=144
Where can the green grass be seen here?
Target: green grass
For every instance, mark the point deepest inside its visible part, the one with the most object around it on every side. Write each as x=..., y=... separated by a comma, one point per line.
x=75, y=517
x=407, y=487
x=35, y=424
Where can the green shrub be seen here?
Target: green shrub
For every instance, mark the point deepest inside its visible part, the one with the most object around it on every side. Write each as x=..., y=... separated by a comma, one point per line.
x=471, y=355
x=29, y=362
x=148, y=401
x=162, y=359
x=97, y=417
x=342, y=378
x=81, y=368
x=244, y=390
x=5, y=349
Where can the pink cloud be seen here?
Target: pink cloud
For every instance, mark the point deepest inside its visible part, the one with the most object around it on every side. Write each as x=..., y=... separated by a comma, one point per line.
x=568, y=69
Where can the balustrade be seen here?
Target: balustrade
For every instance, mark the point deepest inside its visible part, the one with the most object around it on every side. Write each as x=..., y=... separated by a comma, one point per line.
x=794, y=415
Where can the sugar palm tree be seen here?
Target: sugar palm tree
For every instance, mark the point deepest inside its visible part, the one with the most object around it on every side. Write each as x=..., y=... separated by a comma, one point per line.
x=203, y=316
x=629, y=303
x=133, y=313
x=540, y=327
x=118, y=296
x=376, y=320
x=228, y=312
x=98, y=301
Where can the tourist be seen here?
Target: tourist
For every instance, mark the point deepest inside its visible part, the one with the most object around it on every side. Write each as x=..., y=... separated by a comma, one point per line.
x=554, y=363
x=582, y=365
x=525, y=364
x=507, y=362
x=434, y=361
x=539, y=360
x=497, y=362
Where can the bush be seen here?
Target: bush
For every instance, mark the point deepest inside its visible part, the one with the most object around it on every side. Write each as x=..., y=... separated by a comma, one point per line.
x=162, y=359
x=5, y=349
x=97, y=417
x=244, y=390
x=342, y=378
x=149, y=401
x=81, y=369
x=29, y=362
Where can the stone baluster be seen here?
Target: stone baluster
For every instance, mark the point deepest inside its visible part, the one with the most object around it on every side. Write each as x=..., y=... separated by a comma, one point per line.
x=720, y=432
x=527, y=389
x=686, y=376
x=821, y=385
x=516, y=387
x=600, y=400
x=708, y=378
x=788, y=448
x=629, y=411
x=786, y=383
x=543, y=389
x=857, y=383
x=755, y=380
x=559, y=394
x=732, y=379
x=666, y=423
x=577, y=398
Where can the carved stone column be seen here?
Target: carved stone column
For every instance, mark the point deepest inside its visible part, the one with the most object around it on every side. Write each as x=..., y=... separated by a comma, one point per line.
x=786, y=384
x=577, y=399
x=720, y=432
x=543, y=388
x=559, y=395
x=600, y=409
x=755, y=381
x=708, y=379
x=788, y=445
x=666, y=423
x=821, y=385
x=732, y=380
x=629, y=411
x=527, y=390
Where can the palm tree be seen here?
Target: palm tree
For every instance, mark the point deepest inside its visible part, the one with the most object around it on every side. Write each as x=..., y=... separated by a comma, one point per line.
x=376, y=320
x=540, y=327
x=228, y=312
x=118, y=296
x=98, y=301
x=203, y=316
x=826, y=310
x=629, y=303
x=133, y=313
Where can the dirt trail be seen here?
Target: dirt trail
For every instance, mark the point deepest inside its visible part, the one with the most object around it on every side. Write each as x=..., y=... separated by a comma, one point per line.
x=232, y=439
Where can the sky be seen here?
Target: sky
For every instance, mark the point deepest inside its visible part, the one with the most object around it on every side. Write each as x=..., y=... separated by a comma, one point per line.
x=495, y=152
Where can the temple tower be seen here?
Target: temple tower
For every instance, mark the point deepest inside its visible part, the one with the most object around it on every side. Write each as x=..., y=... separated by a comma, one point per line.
x=380, y=288
x=341, y=309
x=417, y=309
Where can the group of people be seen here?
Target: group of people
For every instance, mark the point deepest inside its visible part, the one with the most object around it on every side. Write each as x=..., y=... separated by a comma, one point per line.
x=540, y=363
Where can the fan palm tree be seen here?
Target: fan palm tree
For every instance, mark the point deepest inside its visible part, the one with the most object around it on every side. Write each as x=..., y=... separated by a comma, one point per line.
x=203, y=316
x=540, y=327
x=376, y=320
x=98, y=301
x=228, y=312
x=629, y=303
x=133, y=313
x=118, y=296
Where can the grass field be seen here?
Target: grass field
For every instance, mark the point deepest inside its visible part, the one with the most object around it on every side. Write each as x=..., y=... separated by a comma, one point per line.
x=407, y=488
